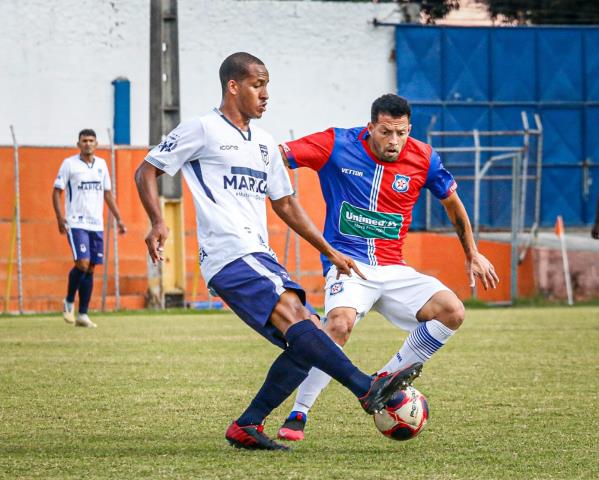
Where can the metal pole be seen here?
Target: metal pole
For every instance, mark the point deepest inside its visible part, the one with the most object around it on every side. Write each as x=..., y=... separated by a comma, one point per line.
x=524, y=169
x=477, y=177
x=539, y=170
x=18, y=218
x=516, y=165
x=106, y=262
x=476, y=138
x=117, y=287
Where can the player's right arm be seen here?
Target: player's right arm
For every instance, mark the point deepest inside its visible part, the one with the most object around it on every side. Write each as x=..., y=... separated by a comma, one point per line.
x=56, y=201
x=60, y=183
x=184, y=143
x=312, y=151
x=146, y=180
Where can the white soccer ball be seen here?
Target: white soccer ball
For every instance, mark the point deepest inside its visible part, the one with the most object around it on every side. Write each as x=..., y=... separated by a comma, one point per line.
x=404, y=416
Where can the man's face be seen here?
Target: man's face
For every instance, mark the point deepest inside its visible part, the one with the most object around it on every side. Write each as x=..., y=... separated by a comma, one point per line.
x=388, y=135
x=250, y=93
x=87, y=144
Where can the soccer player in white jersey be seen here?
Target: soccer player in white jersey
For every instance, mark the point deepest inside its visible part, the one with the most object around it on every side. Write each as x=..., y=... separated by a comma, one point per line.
x=371, y=177
x=86, y=180
x=230, y=169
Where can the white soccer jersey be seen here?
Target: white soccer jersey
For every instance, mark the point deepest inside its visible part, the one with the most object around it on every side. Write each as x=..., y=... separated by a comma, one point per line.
x=229, y=173
x=84, y=197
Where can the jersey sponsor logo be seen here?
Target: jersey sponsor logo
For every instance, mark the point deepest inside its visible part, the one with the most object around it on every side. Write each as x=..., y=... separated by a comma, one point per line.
x=95, y=185
x=264, y=153
x=350, y=171
x=401, y=183
x=248, y=179
x=229, y=147
x=336, y=288
x=360, y=222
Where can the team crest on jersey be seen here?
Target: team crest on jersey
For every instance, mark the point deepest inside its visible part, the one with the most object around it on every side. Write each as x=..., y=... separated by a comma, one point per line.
x=336, y=288
x=264, y=152
x=169, y=143
x=401, y=183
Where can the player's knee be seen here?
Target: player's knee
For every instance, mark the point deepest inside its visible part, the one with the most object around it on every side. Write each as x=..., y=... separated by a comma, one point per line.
x=339, y=327
x=454, y=314
x=82, y=264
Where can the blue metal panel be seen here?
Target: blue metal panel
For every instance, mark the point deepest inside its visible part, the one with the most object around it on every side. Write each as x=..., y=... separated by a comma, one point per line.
x=513, y=65
x=418, y=52
x=483, y=78
x=562, y=135
x=466, y=64
x=591, y=62
x=560, y=69
x=592, y=155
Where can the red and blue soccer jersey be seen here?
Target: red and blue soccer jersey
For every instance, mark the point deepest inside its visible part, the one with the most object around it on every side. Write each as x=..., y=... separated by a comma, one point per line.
x=369, y=202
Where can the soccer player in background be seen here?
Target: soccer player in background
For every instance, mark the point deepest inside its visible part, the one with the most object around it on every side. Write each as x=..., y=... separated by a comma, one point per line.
x=230, y=169
x=371, y=178
x=86, y=180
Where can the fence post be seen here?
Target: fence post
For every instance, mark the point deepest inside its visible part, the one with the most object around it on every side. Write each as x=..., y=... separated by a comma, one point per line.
x=18, y=218
x=117, y=286
x=516, y=170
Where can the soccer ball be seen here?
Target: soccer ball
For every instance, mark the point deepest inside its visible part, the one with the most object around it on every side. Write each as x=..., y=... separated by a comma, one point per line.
x=404, y=416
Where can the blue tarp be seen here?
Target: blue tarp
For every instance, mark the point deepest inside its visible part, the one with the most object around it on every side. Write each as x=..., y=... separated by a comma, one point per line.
x=483, y=77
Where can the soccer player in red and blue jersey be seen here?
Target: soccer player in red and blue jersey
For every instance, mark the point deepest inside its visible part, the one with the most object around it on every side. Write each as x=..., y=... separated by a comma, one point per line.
x=371, y=178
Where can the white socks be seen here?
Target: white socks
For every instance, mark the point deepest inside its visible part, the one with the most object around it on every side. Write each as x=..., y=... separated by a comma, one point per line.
x=425, y=339
x=308, y=391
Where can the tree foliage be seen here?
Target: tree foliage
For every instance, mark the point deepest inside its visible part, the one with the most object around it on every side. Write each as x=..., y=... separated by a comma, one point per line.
x=431, y=9
x=548, y=12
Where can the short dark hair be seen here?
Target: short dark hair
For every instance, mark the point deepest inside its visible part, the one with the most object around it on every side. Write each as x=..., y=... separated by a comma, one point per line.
x=86, y=132
x=390, y=104
x=235, y=67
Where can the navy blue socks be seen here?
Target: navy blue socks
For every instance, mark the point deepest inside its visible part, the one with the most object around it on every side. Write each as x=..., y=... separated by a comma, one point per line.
x=284, y=376
x=311, y=345
x=86, y=285
x=75, y=276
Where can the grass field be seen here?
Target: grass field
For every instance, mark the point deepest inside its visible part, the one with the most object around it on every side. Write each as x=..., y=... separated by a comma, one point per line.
x=513, y=396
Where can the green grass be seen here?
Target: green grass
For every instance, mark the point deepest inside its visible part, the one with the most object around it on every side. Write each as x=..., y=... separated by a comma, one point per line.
x=514, y=395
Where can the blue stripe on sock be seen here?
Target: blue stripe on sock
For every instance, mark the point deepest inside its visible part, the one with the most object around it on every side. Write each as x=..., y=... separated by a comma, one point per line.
x=421, y=341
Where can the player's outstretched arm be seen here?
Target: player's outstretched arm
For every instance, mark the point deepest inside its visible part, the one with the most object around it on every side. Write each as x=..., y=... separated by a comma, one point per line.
x=146, y=180
x=294, y=215
x=109, y=199
x=477, y=264
x=62, y=222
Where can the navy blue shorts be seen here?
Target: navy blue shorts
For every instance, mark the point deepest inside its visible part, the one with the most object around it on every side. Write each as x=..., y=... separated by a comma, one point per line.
x=251, y=286
x=86, y=244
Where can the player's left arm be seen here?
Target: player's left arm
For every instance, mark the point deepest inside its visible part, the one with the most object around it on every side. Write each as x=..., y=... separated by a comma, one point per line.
x=477, y=265
x=109, y=199
x=293, y=214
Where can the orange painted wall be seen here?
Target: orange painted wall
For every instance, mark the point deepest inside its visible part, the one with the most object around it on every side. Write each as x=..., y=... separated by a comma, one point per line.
x=47, y=259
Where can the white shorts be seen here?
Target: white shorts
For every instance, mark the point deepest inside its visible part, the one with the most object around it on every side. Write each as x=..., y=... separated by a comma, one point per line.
x=395, y=291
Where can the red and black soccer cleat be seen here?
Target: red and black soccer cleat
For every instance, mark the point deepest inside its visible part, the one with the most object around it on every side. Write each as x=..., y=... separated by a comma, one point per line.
x=384, y=386
x=251, y=437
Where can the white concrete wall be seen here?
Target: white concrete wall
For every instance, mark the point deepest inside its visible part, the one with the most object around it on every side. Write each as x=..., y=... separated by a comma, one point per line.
x=57, y=59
